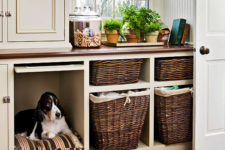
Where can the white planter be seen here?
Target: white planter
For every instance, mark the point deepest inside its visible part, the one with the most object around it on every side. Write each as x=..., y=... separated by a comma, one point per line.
x=152, y=37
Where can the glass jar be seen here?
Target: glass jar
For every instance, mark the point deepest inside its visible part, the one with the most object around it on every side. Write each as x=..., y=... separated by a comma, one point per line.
x=85, y=28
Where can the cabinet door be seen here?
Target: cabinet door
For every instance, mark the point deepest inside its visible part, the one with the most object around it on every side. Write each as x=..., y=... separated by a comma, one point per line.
x=209, y=75
x=3, y=109
x=1, y=20
x=36, y=20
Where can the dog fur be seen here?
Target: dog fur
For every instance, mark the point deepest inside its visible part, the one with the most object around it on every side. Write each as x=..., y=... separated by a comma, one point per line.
x=46, y=121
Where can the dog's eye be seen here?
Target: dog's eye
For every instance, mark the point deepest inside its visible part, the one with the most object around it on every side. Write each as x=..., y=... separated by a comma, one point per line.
x=48, y=104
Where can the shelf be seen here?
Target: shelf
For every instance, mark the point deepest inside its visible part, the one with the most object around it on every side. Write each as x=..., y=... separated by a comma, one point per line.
x=139, y=85
x=141, y=145
x=172, y=83
x=25, y=69
x=187, y=145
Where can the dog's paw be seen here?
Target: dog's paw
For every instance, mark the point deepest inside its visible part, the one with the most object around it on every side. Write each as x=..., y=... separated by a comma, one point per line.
x=33, y=138
x=79, y=145
x=50, y=135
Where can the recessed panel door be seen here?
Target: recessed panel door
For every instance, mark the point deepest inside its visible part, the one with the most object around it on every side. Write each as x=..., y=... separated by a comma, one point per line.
x=1, y=20
x=35, y=20
x=4, y=143
x=210, y=75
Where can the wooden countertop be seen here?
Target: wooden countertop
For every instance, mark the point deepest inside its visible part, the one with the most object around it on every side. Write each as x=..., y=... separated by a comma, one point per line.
x=103, y=50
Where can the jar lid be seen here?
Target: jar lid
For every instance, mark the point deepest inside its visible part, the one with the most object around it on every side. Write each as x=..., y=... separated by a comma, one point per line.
x=86, y=11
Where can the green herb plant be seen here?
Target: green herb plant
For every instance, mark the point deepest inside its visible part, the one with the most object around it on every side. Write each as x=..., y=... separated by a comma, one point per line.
x=152, y=27
x=140, y=20
x=112, y=24
x=130, y=16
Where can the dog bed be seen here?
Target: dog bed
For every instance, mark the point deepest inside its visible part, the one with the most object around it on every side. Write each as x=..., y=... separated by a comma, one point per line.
x=61, y=142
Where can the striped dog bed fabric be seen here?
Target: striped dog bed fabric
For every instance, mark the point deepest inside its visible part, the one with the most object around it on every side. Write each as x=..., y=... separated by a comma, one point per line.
x=61, y=142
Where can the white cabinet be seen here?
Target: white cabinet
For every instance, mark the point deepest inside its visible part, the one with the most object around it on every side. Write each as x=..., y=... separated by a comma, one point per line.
x=1, y=20
x=34, y=24
x=36, y=20
x=4, y=143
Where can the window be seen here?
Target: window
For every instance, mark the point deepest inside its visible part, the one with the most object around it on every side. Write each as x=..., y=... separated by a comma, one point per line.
x=105, y=7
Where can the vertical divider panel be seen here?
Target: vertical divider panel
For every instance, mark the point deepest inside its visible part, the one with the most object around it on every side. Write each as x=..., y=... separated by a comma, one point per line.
x=71, y=89
x=86, y=106
x=145, y=76
x=11, y=105
x=152, y=101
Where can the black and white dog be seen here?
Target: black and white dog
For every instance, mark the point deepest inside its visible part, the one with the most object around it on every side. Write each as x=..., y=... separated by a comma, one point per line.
x=46, y=121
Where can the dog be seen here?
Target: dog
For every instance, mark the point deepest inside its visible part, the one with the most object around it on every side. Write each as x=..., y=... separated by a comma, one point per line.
x=46, y=121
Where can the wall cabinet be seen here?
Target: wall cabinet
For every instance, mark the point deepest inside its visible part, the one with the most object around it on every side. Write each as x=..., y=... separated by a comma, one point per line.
x=4, y=143
x=43, y=22
x=1, y=20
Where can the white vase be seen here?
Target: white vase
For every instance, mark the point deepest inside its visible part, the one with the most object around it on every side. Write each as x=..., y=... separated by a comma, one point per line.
x=152, y=37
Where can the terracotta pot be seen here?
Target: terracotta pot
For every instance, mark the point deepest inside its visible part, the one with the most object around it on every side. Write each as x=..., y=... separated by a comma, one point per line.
x=152, y=37
x=133, y=32
x=164, y=36
x=131, y=38
x=112, y=37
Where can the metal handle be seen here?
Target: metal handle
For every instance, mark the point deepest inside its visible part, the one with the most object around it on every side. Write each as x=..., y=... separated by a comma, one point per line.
x=6, y=99
x=1, y=13
x=8, y=13
x=204, y=50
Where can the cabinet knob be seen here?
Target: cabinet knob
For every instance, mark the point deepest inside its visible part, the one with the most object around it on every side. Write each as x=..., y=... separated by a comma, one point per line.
x=1, y=13
x=6, y=99
x=204, y=50
x=8, y=13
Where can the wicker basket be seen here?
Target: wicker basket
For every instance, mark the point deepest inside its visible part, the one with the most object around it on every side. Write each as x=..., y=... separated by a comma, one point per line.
x=179, y=68
x=118, y=127
x=173, y=118
x=108, y=72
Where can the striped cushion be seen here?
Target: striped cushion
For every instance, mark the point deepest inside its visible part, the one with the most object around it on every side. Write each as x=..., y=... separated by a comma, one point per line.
x=62, y=142
x=22, y=143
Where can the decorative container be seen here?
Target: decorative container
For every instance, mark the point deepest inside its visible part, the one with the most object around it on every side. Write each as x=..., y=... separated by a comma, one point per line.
x=152, y=37
x=117, y=124
x=108, y=72
x=178, y=68
x=173, y=116
x=132, y=38
x=112, y=37
x=85, y=28
x=164, y=36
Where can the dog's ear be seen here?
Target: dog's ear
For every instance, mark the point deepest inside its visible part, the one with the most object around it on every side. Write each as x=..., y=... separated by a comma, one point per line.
x=38, y=116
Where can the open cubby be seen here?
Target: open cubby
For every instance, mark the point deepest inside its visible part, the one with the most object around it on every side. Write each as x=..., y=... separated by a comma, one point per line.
x=67, y=85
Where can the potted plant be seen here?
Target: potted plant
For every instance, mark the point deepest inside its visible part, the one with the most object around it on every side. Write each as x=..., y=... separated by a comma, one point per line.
x=137, y=19
x=151, y=32
x=130, y=21
x=112, y=28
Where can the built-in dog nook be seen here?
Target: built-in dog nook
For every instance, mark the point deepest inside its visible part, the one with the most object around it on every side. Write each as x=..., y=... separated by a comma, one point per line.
x=65, y=80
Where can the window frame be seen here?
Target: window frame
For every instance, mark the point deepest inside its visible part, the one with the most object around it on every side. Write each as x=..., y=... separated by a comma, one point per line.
x=72, y=4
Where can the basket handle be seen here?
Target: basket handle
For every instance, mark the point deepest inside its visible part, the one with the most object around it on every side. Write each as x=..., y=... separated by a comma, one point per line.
x=127, y=99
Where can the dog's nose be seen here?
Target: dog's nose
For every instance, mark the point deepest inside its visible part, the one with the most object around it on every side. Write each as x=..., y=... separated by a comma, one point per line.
x=57, y=114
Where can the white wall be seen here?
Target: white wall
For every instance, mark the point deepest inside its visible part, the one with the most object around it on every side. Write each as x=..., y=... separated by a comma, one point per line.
x=173, y=9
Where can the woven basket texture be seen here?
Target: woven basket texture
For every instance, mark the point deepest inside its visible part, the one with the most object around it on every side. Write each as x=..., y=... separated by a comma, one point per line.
x=118, y=127
x=109, y=72
x=179, y=68
x=173, y=118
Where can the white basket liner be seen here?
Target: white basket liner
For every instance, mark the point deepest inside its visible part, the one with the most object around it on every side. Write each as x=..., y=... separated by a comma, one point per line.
x=166, y=93
x=96, y=99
